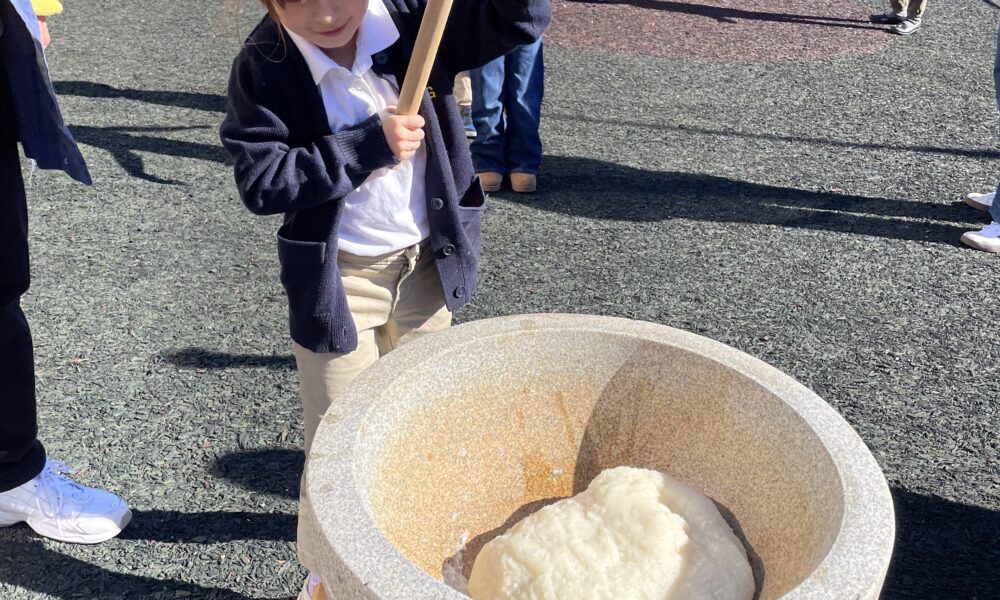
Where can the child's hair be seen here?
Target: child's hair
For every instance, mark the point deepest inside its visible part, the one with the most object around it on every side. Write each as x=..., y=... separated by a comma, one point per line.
x=235, y=8
x=272, y=7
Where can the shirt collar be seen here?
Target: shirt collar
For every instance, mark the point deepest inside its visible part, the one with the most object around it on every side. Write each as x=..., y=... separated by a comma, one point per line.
x=376, y=33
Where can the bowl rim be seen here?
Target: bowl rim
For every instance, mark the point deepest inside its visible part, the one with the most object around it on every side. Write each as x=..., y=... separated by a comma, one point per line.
x=348, y=533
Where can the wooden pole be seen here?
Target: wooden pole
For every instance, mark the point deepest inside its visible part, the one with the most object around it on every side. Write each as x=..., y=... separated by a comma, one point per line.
x=424, y=52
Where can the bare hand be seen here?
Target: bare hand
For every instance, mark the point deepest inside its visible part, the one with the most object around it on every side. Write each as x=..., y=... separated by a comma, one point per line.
x=403, y=132
x=44, y=27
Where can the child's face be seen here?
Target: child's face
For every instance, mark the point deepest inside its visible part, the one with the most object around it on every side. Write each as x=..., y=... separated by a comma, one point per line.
x=329, y=24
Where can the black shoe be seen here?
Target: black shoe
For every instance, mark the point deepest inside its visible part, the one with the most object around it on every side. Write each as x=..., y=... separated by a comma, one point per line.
x=887, y=18
x=467, y=124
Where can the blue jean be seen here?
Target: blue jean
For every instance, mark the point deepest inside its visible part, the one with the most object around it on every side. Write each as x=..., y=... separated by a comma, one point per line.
x=511, y=84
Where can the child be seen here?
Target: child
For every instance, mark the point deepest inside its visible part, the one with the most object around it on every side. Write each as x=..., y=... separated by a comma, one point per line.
x=380, y=240
x=509, y=86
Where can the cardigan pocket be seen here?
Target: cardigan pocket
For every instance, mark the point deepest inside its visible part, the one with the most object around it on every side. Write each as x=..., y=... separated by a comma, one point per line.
x=302, y=274
x=470, y=210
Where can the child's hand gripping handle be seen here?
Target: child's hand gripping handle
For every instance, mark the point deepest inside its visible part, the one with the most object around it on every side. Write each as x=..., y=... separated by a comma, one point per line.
x=424, y=51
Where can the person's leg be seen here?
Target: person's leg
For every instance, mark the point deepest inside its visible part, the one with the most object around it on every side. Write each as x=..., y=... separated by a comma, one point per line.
x=487, y=114
x=523, y=90
x=914, y=18
x=915, y=8
x=988, y=238
x=370, y=283
x=893, y=16
x=22, y=456
x=32, y=488
x=416, y=307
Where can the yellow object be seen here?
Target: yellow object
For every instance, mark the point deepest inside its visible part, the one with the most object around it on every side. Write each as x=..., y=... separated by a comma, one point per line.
x=46, y=8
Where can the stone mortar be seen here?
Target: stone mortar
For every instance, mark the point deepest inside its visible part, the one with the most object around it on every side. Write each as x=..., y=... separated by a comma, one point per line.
x=458, y=435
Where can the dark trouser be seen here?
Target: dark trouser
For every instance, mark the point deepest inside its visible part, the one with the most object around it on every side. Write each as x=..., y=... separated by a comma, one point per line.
x=995, y=208
x=21, y=454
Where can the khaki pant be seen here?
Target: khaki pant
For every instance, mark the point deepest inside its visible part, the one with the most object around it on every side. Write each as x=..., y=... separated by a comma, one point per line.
x=393, y=299
x=913, y=8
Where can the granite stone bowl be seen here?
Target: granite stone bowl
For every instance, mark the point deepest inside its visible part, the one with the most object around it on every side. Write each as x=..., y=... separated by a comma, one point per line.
x=450, y=440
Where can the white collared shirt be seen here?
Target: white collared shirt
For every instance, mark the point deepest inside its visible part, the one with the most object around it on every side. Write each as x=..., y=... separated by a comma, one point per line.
x=388, y=212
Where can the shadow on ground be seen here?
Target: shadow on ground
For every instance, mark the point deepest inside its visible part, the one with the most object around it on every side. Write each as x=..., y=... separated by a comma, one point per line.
x=126, y=143
x=90, y=89
x=272, y=471
x=943, y=550
x=211, y=527
x=203, y=358
x=62, y=576
x=585, y=187
x=724, y=14
x=981, y=153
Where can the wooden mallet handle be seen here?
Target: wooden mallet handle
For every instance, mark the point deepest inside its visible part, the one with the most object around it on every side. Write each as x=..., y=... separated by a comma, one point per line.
x=424, y=52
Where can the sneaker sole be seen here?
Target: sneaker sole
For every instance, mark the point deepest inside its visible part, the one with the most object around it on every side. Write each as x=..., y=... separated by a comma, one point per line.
x=977, y=205
x=43, y=529
x=910, y=32
x=972, y=242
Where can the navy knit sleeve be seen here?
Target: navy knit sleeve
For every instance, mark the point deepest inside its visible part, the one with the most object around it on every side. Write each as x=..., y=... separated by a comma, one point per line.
x=276, y=176
x=480, y=30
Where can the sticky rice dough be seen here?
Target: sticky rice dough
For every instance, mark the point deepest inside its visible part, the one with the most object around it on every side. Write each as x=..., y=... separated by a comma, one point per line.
x=634, y=533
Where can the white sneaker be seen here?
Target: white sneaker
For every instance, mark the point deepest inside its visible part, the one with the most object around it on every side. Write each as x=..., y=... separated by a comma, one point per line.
x=907, y=26
x=64, y=510
x=986, y=239
x=981, y=202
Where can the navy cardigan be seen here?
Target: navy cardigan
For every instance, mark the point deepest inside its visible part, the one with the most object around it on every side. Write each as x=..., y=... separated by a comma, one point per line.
x=288, y=161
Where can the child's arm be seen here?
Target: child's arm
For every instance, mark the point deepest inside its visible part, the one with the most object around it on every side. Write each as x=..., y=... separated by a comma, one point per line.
x=45, y=9
x=276, y=176
x=480, y=30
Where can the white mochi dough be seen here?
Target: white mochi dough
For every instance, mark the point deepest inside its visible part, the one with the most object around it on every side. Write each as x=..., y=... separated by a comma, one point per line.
x=634, y=533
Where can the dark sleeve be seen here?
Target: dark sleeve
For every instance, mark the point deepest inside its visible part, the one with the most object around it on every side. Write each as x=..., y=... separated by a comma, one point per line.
x=273, y=174
x=480, y=30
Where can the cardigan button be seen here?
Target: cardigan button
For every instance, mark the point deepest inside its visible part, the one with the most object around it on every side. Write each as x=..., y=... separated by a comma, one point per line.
x=380, y=58
x=437, y=203
x=448, y=250
x=459, y=292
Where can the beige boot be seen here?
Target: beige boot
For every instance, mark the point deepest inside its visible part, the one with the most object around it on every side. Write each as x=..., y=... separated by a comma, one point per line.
x=524, y=183
x=491, y=181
